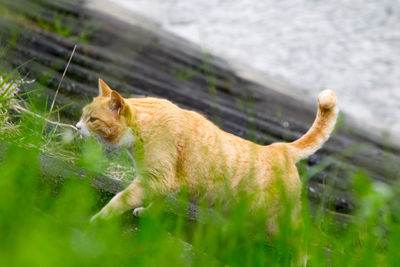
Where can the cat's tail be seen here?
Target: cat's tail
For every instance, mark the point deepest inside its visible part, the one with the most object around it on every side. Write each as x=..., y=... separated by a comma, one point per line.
x=321, y=128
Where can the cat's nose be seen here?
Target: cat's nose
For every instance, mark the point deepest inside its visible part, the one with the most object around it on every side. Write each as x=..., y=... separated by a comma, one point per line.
x=79, y=126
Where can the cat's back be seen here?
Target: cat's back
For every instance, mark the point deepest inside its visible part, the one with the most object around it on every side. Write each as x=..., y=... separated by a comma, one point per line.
x=157, y=114
x=154, y=109
x=161, y=107
x=159, y=111
x=151, y=103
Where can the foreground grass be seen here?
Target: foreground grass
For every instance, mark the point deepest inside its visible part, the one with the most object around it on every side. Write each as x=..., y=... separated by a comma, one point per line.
x=45, y=222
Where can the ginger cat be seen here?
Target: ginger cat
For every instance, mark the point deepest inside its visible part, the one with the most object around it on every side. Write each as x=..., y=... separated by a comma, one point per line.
x=179, y=147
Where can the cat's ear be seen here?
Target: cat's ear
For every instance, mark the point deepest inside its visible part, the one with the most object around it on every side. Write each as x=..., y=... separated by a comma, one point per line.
x=117, y=102
x=104, y=90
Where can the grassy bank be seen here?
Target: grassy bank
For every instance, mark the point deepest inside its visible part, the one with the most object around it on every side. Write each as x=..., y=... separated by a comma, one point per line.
x=45, y=221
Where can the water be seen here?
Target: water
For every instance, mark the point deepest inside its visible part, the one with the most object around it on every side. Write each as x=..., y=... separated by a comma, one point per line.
x=349, y=46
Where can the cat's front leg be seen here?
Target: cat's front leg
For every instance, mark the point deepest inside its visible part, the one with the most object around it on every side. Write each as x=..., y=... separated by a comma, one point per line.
x=130, y=198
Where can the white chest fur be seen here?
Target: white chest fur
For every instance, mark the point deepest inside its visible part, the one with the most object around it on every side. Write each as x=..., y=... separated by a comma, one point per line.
x=126, y=140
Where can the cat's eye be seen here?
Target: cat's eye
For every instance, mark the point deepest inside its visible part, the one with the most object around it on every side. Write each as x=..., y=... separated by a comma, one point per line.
x=92, y=119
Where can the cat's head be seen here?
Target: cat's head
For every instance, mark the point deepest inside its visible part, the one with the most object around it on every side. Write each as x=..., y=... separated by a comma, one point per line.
x=107, y=118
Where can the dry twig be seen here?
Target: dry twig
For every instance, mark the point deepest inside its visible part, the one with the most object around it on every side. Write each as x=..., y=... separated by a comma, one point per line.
x=18, y=107
x=62, y=78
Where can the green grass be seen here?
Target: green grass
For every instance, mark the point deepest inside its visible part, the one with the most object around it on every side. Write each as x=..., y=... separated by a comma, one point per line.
x=61, y=23
x=44, y=221
x=65, y=25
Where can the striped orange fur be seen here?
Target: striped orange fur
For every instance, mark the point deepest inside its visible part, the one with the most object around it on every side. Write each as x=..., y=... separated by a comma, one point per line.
x=182, y=148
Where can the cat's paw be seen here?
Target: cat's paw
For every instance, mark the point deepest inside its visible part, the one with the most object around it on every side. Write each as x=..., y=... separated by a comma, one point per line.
x=138, y=212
